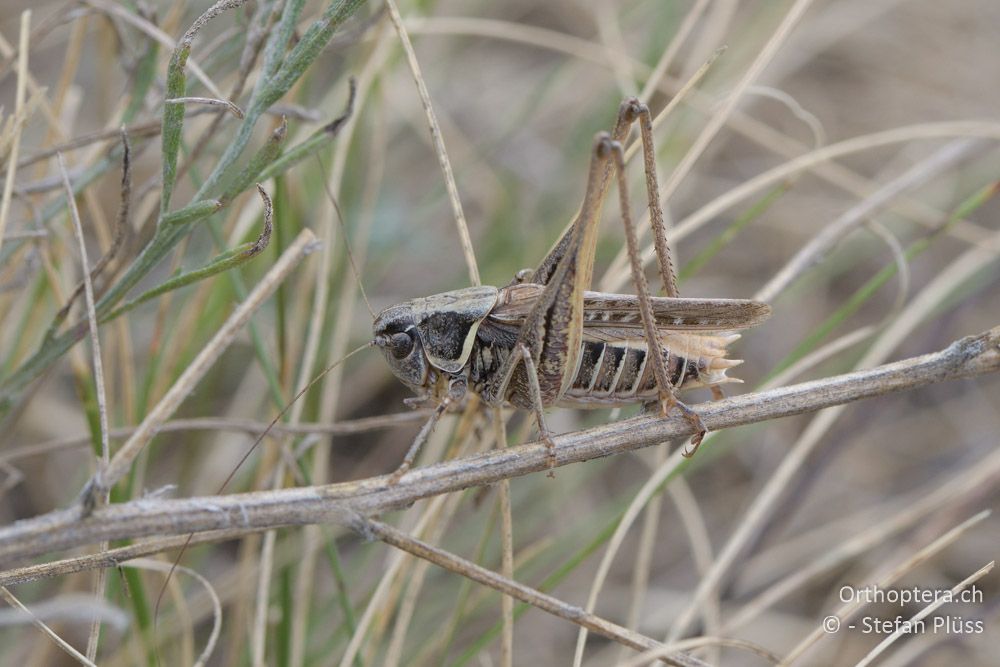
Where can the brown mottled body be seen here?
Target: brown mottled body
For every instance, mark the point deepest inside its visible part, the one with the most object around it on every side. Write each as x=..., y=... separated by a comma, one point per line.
x=612, y=366
x=545, y=340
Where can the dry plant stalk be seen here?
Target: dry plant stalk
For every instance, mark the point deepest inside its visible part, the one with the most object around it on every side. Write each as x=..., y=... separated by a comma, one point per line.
x=338, y=503
x=539, y=600
x=110, y=473
x=220, y=518
x=348, y=504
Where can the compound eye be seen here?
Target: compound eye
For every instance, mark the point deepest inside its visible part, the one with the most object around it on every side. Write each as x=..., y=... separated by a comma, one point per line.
x=401, y=345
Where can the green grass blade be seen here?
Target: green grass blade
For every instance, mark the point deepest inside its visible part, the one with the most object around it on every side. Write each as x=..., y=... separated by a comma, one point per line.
x=173, y=124
x=250, y=174
x=192, y=212
x=726, y=237
x=876, y=282
x=222, y=262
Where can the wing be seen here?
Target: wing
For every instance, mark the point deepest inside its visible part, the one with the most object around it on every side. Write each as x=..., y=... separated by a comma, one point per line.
x=621, y=311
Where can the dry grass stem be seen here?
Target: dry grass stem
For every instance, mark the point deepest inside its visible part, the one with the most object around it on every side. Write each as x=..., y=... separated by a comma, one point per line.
x=839, y=159
x=406, y=599
x=542, y=38
x=821, y=244
x=146, y=130
x=392, y=570
x=537, y=599
x=814, y=160
x=108, y=7
x=168, y=569
x=506, y=548
x=888, y=575
x=811, y=159
x=442, y=153
x=399, y=604
x=113, y=557
x=749, y=127
x=209, y=101
x=924, y=613
x=719, y=119
x=356, y=252
x=15, y=142
x=820, y=355
x=702, y=552
x=49, y=632
x=807, y=118
x=98, y=372
x=122, y=224
x=610, y=33
x=88, y=291
x=670, y=53
x=247, y=426
x=642, y=567
x=122, y=461
x=940, y=499
x=709, y=641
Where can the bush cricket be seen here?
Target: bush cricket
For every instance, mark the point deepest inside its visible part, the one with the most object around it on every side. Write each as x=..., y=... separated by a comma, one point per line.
x=544, y=340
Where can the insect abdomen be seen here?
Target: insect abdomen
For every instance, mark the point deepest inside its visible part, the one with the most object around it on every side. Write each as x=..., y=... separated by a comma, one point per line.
x=622, y=372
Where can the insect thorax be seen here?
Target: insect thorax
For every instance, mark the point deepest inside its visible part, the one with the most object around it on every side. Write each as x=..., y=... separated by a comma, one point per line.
x=489, y=357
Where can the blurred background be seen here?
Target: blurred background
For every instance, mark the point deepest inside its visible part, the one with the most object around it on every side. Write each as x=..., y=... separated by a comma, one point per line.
x=873, y=121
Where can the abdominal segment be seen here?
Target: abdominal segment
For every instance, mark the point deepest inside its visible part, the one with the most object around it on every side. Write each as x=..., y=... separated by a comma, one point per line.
x=621, y=371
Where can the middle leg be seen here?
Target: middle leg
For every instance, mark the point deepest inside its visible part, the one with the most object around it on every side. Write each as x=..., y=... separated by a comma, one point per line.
x=535, y=390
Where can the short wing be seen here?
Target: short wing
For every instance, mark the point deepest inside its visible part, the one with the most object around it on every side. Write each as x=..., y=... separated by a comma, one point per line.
x=621, y=311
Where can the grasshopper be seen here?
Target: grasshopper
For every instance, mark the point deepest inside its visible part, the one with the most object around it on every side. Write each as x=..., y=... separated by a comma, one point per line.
x=545, y=340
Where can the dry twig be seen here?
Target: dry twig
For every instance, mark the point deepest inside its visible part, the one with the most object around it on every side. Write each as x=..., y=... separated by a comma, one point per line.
x=124, y=457
x=64, y=529
x=536, y=598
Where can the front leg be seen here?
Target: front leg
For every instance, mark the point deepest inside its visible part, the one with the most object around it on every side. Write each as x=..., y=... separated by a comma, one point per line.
x=456, y=392
x=527, y=387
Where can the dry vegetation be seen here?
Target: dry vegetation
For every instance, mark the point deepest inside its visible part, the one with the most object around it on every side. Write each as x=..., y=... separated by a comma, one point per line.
x=838, y=160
